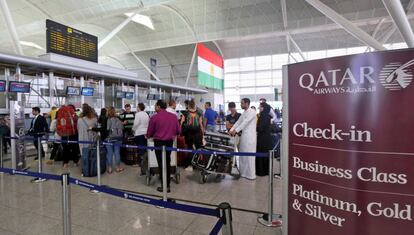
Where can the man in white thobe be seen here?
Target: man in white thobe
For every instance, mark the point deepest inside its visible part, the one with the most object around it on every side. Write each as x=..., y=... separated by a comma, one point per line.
x=247, y=126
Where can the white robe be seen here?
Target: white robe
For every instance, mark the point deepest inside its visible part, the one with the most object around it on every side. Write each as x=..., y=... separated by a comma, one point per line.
x=248, y=139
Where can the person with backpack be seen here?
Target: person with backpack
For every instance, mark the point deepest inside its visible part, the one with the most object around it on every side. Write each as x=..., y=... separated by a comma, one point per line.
x=115, y=134
x=66, y=128
x=192, y=129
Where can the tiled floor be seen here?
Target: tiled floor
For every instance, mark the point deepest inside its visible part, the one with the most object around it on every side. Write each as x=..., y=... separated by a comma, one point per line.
x=29, y=208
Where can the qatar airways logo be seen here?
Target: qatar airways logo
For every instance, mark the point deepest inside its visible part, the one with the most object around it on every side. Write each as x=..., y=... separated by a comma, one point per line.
x=396, y=76
x=393, y=77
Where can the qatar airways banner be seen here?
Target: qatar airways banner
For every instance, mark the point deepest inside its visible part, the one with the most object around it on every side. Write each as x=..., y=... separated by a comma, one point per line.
x=351, y=144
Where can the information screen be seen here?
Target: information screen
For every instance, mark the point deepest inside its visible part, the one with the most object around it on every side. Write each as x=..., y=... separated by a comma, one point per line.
x=70, y=90
x=19, y=87
x=120, y=94
x=129, y=95
x=64, y=40
x=2, y=86
x=87, y=91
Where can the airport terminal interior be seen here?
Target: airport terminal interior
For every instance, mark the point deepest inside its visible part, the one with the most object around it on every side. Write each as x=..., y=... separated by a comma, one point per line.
x=167, y=116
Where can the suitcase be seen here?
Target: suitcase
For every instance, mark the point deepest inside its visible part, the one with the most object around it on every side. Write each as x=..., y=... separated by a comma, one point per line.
x=129, y=156
x=181, y=156
x=89, y=166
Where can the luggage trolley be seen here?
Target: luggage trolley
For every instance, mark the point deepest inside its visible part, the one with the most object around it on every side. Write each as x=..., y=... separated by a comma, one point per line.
x=217, y=163
x=152, y=164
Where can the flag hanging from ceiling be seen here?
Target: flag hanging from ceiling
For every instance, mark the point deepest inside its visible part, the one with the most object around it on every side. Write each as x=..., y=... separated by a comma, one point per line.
x=210, y=68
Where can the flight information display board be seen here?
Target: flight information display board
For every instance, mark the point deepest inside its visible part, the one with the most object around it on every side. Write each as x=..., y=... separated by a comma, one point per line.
x=64, y=40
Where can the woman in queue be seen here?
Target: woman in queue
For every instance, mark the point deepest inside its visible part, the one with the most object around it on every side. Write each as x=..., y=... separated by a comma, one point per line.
x=264, y=140
x=86, y=123
x=115, y=134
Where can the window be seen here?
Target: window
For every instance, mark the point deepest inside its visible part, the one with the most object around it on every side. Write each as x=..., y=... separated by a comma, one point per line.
x=263, y=62
x=231, y=65
x=256, y=76
x=247, y=64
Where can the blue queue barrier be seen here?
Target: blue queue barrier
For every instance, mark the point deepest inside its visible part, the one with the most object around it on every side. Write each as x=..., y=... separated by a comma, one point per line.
x=125, y=195
x=151, y=201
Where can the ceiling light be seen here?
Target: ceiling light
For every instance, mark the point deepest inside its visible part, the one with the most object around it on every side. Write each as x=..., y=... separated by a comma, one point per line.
x=141, y=19
x=31, y=44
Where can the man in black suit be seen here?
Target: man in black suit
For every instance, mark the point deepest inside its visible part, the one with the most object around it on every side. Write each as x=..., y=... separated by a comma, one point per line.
x=38, y=128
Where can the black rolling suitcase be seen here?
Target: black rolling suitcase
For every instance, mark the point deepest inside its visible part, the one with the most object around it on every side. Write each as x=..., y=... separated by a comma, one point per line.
x=89, y=166
x=129, y=156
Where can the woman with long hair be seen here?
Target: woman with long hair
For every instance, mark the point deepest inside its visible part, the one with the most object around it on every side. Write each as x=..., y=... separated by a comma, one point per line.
x=264, y=140
x=115, y=134
x=87, y=121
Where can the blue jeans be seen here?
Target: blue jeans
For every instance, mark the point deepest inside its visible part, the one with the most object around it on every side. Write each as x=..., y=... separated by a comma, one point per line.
x=112, y=150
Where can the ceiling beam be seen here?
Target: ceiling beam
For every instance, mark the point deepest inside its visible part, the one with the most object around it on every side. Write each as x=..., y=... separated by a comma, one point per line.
x=397, y=13
x=346, y=24
x=116, y=30
x=11, y=27
x=295, y=45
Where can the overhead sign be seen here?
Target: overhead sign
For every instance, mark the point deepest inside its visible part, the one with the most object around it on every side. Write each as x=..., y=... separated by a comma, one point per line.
x=350, y=146
x=64, y=40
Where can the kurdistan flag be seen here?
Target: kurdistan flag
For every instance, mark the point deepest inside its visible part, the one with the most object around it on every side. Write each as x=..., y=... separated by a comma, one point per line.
x=210, y=68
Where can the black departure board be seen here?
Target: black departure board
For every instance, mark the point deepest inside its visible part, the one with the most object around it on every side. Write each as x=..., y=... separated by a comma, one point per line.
x=64, y=40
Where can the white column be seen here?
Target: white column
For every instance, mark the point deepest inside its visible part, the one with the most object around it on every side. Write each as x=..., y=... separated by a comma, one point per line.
x=11, y=27
x=82, y=82
x=102, y=88
x=191, y=65
x=397, y=13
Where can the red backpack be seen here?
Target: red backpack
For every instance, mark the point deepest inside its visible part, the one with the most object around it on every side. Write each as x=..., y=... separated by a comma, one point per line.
x=65, y=121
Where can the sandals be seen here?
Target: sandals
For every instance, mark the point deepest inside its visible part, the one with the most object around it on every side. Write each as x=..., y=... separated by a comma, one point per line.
x=120, y=169
x=110, y=171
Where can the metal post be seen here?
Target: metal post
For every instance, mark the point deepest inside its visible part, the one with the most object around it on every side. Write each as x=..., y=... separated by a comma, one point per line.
x=66, y=214
x=13, y=133
x=225, y=213
x=39, y=154
x=164, y=174
x=98, y=159
x=1, y=151
x=269, y=220
x=39, y=161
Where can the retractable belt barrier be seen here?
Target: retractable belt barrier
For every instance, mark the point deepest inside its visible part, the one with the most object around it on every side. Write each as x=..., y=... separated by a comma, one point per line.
x=125, y=195
x=266, y=155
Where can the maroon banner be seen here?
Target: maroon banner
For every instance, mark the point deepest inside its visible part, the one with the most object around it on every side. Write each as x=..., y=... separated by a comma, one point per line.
x=351, y=145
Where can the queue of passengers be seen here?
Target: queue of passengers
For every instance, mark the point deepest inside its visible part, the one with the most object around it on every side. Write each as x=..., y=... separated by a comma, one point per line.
x=252, y=129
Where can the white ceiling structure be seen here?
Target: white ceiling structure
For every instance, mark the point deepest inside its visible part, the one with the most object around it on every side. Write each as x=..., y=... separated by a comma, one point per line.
x=236, y=27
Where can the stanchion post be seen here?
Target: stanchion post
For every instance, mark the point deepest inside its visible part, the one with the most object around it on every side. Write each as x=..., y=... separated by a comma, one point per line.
x=66, y=212
x=269, y=219
x=164, y=174
x=39, y=154
x=98, y=159
x=270, y=194
x=1, y=151
x=39, y=161
x=226, y=215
